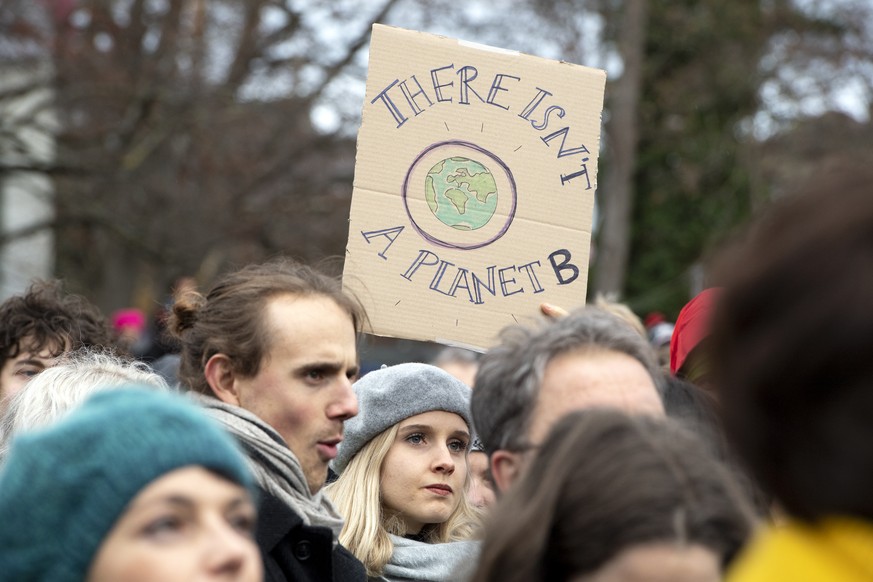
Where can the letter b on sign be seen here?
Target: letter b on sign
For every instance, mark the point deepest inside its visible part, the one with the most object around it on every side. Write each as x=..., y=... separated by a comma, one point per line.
x=565, y=271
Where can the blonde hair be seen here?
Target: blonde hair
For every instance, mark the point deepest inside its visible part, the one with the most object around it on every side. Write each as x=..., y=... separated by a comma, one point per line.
x=357, y=496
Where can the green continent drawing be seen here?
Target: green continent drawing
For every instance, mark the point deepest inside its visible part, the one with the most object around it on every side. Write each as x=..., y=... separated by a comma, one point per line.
x=461, y=193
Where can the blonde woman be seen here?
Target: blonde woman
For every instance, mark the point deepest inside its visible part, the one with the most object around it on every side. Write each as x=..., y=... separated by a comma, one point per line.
x=403, y=475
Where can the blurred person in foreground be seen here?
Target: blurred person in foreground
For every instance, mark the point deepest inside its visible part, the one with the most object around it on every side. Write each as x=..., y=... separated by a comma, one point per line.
x=134, y=485
x=271, y=353
x=535, y=376
x=792, y=341
x=36, y=328
x=617, y=498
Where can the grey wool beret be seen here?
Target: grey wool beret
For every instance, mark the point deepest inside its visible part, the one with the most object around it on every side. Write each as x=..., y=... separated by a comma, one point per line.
x=393, y=394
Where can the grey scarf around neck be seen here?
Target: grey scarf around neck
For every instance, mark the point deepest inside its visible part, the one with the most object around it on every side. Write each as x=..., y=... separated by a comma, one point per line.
x=414, y=560
x=275, y=467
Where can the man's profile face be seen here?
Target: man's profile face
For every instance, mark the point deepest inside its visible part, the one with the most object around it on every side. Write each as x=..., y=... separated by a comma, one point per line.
x=30, y=360
x=303, y=388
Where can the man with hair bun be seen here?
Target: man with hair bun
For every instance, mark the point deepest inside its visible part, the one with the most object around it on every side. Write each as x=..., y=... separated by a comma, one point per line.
x=271, y=353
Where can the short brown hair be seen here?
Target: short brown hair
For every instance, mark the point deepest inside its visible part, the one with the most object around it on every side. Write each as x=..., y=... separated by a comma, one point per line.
x=229, y=319
x=51, y=320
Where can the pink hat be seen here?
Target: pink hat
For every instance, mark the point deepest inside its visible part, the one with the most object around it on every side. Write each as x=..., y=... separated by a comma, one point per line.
x=131, y=318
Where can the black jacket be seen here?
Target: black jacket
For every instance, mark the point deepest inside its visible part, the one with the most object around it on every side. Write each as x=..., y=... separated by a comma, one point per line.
x=295, y=552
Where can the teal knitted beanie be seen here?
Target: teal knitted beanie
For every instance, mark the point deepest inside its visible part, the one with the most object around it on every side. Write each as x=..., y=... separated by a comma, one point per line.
x=63, y=488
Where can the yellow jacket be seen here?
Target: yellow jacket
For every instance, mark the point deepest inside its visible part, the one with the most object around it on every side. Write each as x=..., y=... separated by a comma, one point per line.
x=836, y=549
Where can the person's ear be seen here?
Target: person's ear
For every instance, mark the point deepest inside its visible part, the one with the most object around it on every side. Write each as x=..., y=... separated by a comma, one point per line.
x=221, y=378
x=506, y=467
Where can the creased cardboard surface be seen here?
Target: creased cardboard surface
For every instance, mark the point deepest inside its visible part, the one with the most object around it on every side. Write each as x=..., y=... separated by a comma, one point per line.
x=474, y=187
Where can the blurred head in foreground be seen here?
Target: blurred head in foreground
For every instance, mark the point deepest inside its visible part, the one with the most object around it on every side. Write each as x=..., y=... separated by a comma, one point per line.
x=135, y=484
x=626, y=497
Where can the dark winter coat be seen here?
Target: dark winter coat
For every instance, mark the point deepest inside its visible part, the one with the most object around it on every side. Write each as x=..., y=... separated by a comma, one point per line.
x=295, y=552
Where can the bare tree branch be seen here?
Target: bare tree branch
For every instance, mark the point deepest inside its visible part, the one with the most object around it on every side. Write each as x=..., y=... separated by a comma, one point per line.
x=335, y=69
x=30, y=230
x=53, y=170
x=246, y=46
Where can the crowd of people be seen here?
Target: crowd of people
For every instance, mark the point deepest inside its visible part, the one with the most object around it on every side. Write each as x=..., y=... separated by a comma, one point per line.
x=592, y=447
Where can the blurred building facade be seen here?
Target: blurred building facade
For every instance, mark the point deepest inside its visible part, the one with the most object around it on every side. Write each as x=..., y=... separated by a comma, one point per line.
x=27, y=127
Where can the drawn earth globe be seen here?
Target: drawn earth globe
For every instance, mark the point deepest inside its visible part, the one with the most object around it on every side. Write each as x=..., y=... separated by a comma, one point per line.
x=461, y=193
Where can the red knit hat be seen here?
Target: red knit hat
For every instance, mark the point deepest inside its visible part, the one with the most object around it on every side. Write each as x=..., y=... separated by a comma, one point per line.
x=692, y=326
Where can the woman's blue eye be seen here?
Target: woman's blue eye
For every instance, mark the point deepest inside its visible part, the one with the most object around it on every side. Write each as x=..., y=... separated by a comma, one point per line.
x=415, y=439
x=458, y=446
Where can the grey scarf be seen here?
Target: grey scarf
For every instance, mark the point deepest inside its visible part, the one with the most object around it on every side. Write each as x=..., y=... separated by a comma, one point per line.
x=274, y=465
x=414, y=560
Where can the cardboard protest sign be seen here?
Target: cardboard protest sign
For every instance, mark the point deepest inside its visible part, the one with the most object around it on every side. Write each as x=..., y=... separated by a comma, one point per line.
x=474, y=187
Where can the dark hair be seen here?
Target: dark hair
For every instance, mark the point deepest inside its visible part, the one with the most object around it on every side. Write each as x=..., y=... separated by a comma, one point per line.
x=793, y=337
x=613, y=481
x=696, y=409
x=48, y=319
x=510, y=374
x=229, y=319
